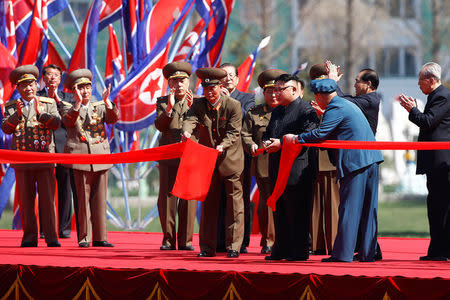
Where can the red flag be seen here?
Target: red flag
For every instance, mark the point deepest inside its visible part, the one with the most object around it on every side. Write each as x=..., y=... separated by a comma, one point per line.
x=7, y=64
x=54, y=58
x=189, y=42
x=114, y=68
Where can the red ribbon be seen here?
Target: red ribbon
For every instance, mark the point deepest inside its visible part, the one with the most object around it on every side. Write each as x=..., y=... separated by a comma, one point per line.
x=289, y=152
x=197, y=163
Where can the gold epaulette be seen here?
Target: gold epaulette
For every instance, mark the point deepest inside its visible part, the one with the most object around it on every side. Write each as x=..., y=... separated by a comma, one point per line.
x=256, y=107
x=66, y=103
x=10, y=102
x=46, y=100
x=97, y=103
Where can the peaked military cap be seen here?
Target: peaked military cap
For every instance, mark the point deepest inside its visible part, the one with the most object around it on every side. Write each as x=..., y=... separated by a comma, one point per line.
x=318, y=71
x=210, y=76
x=177, y=69
x=325, y=86
x=80, y=76
x=23, y=73
x=267, y=78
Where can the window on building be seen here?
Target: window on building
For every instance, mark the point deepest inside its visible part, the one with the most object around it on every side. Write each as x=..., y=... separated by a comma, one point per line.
x=410, y=10
x=410, y=63
x=394, y=8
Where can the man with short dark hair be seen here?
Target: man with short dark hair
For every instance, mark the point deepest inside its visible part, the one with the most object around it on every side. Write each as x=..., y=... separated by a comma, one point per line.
x=51, y=75
x=293, y=208
x=218, y=118
x=31, y=121
x=434, y=125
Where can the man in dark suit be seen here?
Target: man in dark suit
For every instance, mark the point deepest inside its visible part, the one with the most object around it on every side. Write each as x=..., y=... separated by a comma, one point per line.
x=86, y=134
x=51, y=75
x=434, y=124
x=171, y=110
x=357, y=171
x=219, y=120
x=31, y=121
x=293, y=208
x=247, y=101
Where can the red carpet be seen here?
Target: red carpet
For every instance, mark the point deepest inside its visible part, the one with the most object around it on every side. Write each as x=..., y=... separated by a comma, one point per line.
x=400, y=270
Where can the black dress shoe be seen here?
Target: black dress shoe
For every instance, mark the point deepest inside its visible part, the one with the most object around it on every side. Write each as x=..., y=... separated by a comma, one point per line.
x=377, y=257
x=299, y=258
x=233, y=253
x=433, y=258
x=271, y=257
x=101, y=244
x=266, y=250
x=28, y=244
x=205, y=254
x=83, y=245
x=167, y=247
x=243, y=250
x=319, y=252
x=332, y=259
x=186, y=248
x=53, y=244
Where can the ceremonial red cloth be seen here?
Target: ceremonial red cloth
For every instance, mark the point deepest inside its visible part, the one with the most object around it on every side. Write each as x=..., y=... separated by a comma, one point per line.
x=289, y=152
x=194, y=174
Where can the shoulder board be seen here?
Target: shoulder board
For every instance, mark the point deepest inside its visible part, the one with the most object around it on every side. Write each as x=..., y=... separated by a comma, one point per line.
x=97, y=103
x=46, y=100
x=10, y=102
x=66, y=103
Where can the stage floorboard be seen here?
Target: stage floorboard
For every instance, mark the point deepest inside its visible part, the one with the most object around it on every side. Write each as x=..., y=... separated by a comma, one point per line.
x=141, y=250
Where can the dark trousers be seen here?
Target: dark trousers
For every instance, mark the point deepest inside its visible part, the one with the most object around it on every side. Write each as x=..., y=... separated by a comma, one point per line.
x=438, y=205
x=358, y=208
x=265, y=213
x=292, y=219
x=66, y=190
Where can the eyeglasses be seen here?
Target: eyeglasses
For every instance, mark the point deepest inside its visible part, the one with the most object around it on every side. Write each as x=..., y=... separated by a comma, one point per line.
x=280, y=90
x=230, y=75
x=52, y=75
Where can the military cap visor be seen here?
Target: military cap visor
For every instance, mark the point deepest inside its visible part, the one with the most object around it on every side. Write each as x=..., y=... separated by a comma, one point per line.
x=24, y=73
x=77, y=77
x=178, y=69
x=323, y=86
x=267, y=78
x=210, y=76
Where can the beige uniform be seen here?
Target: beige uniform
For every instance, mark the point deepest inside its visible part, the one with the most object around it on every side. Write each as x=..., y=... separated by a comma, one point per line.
x=254, y=126
x=220, y=125
x=86, y=134
x=34, y=132
x=168, y=205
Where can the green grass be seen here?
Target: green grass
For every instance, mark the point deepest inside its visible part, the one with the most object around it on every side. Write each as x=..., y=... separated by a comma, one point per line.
x=396, y=219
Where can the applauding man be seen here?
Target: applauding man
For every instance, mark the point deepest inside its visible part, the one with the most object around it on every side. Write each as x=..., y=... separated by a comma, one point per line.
x=85, y=123
x=31, y=120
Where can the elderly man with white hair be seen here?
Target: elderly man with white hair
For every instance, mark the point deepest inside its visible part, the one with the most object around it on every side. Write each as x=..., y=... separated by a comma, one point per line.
x=434, y=125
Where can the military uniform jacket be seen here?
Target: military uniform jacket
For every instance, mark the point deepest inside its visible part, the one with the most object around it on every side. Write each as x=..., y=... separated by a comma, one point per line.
x=86, y=132
x=247, y=100
x=32, y=132
x=59, y=135
x=219, y=126
x=170, y=125
x=255, y=123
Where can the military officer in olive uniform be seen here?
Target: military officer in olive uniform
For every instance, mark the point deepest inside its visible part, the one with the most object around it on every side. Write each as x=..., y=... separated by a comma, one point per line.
x=31, y=120
x=218, y=119
x=85, y=125
x=255, y=123
x=171, y=111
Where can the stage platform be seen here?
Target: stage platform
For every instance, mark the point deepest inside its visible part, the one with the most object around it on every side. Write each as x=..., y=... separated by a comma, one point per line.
x=136, y=269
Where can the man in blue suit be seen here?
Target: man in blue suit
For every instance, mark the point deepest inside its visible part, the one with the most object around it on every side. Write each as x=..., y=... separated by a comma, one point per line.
x=434, y=124
x=357, y=171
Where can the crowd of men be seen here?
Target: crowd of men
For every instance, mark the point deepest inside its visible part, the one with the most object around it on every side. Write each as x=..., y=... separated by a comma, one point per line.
x=329, y=205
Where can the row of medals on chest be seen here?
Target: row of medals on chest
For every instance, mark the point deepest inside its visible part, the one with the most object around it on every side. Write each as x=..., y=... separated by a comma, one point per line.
x=95, y=124
x=41, y=135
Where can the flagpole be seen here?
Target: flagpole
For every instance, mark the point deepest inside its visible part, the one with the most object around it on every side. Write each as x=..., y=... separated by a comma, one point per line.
x=124, y=45
x=58, y=40
x=180, y=36
x=198, y=39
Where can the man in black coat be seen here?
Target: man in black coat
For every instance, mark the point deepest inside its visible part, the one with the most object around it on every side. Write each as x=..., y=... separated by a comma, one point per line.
x=434, y=124
x=247, y=101
x=51, y=75
x=293, y=209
